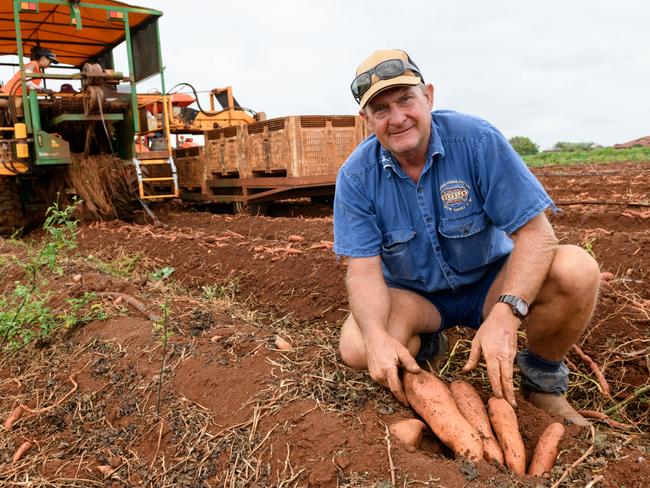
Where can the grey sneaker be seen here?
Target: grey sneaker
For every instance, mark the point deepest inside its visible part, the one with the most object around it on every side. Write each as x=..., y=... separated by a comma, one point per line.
x=432, y=350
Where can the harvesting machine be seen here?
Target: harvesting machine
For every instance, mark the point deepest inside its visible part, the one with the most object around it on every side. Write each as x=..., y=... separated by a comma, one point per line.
x=94, y=111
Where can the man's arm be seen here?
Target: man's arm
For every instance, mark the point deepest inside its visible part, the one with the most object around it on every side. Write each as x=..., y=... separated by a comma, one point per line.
x=370, y=306
x=534, y=247
x=28, y=81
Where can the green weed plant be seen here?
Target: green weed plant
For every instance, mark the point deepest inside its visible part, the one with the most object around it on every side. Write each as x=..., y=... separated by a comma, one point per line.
x=123, y=266
x=226, y=290
x=25, y=313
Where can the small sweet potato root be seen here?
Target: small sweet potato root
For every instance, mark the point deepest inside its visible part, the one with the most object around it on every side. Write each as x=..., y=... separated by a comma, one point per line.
x=282, y=344
x=13, y=417
x=547, y=450
x=505, y=425
x=591, y=414
x=106, y=470
x=432, y=399
x=471, y=406
x=408, y=432
x=21, y=451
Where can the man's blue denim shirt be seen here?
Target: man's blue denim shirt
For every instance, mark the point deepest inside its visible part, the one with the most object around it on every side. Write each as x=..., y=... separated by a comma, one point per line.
x=443, y=231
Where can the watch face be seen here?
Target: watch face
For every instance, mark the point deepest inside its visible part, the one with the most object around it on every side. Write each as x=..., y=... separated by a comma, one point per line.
x=522, y=308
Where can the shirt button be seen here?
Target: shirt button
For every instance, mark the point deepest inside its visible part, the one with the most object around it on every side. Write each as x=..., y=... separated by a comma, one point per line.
x=429, y=220
x=437, y=248
x=420, y=189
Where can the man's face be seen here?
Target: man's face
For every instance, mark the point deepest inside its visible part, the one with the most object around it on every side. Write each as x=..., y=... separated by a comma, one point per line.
x=400, y=117
x=44, y=62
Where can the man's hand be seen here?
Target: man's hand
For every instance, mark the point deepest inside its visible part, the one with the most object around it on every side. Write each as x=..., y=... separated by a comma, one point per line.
x=497, y=340
x=46, y=91
x=385, y=356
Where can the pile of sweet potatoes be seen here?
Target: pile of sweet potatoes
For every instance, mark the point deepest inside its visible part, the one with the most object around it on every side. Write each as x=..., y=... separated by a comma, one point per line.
x=458, y=417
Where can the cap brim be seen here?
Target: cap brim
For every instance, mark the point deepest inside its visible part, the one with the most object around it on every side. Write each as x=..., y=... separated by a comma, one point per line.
x=53, y=59
x=381, y=85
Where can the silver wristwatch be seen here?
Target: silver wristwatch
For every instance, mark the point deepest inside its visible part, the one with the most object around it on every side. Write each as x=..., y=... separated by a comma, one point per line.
x=518, y=305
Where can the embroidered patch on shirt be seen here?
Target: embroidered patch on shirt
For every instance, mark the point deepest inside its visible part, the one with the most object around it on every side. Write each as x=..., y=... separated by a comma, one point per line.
x=455, y=195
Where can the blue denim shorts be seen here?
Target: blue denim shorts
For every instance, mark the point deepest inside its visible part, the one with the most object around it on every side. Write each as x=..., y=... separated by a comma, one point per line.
x=463, y=306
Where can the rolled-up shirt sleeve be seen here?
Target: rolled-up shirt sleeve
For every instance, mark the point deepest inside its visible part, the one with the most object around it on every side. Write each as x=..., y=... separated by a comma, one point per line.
x=356, y=233
x=512, y=194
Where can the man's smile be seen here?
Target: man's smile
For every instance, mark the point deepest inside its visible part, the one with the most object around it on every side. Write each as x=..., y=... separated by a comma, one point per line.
x=401, y=131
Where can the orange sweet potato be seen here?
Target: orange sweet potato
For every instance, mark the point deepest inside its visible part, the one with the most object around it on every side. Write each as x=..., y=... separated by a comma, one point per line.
x=13, y=417
x=504, y=423
x=431, y=398
x=471, y=406
x=409, y=432
x=547, y=450
x=20, y=452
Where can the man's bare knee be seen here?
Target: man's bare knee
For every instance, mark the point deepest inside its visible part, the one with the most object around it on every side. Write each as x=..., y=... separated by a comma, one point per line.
x=574, y=272
x=351, y=345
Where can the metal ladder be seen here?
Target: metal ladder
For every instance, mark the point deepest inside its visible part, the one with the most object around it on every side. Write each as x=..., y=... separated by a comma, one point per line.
x=145, y=181
x=162, y=159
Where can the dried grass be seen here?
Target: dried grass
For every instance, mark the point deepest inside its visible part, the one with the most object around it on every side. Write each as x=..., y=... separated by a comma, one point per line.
x=200, y=452
x=102, y=181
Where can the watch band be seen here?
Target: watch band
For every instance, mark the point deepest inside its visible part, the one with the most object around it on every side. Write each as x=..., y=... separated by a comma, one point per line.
x=518, y=305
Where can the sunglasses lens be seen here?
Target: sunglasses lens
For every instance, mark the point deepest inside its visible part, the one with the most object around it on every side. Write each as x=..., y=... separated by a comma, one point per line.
x=361, y=85
x=385, y=70
x=389, y=69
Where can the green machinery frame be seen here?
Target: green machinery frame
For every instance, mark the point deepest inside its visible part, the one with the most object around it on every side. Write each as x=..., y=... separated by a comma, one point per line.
x=54, y=148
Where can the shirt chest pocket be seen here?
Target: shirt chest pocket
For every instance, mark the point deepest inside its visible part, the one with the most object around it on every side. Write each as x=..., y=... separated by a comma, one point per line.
x=397, y=250
x=466, y=241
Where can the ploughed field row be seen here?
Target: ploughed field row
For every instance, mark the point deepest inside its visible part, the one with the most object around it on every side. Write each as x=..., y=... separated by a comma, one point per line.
x=234, y=406
x=308, y=282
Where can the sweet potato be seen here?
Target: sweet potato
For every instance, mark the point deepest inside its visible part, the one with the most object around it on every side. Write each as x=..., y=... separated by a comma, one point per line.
x=409, y=432
x=504, y=423
x=13, y=417
x=547, y=450
x=282, y=344
x=106, y=470
x=431, y=398
x=20, y=452
x=591, y=414
x=471, y=406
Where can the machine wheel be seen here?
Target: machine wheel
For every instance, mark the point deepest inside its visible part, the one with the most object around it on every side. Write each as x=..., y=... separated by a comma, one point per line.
x=250, y=208
x=11, y=214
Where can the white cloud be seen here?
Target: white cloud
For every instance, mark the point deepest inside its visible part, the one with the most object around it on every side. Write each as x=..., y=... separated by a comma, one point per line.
x=553, y=70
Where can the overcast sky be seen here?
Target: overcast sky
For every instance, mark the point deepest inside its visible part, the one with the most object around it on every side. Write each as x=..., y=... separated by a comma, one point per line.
x=552, y=70
x=557, y=70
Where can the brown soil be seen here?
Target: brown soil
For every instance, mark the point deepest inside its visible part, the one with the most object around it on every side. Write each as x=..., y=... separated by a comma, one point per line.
x=236, y=411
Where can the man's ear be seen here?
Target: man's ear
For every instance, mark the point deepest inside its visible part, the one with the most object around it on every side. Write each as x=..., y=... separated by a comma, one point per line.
x=428, y=93
x=364, y=115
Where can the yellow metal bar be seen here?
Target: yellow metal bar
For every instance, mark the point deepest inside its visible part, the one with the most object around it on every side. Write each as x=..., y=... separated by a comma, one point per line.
x=19, y=168
x=165, y=120
x=151, y=197
x=153, y=161
x=161, y=178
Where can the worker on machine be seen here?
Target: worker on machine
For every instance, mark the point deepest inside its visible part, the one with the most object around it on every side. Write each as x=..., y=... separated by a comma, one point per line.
x=41, y=58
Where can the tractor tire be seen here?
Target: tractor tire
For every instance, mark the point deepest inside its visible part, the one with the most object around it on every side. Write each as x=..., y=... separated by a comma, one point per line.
x=11, y=214
x=250, y=208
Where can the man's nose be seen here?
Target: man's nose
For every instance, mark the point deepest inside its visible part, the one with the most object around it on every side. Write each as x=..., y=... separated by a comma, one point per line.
x=396, y=116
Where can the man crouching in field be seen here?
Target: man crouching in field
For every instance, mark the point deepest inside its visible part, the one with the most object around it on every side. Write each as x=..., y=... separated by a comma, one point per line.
x=444, y=225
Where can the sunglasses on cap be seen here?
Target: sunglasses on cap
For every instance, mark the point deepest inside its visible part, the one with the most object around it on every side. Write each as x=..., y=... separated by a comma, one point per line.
x=391, y=68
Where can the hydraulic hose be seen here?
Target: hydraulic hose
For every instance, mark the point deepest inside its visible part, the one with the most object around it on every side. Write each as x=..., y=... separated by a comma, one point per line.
x=207, y=112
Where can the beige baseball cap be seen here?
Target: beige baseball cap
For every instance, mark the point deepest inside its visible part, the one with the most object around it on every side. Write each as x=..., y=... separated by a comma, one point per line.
x=384, y=69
